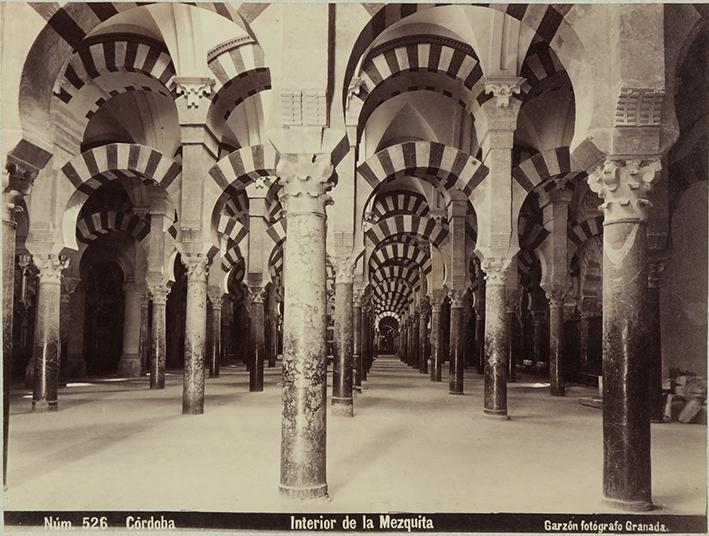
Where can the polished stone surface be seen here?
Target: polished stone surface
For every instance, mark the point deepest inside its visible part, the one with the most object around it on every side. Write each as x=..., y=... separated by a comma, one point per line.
x=387, y=468
x=195, y=334
x=435, y=342
x=158, y=353
x=257, y=337
x=556, y=344
x=456, y=357
x=496, y=341
x=342, y=385
x=8, y=274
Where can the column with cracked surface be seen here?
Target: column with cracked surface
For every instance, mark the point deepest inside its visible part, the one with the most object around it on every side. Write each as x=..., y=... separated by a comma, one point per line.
x=195, y=333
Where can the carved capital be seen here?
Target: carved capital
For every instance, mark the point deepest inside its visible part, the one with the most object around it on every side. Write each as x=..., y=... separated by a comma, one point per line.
x=503, y=88
x=495, y=269
x=624, y=185
x=216, y=298
x=257, y=295
x=50, y=267
x=344, y=270
x=197, y=267
x=192, y=89
x=457, y=297
x=305, y=181
x=158, y=291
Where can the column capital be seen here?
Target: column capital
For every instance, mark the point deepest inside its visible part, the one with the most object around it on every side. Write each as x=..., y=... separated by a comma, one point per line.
x=503, y=88
x=624, y=184
x=305, y=180
x=216, y=297
x=50, y=267
x=257, y=295
x=457, y=296
x=192, y=89
x=344, y=269
x=197, y=266
x=158, y=290
x=495, y=269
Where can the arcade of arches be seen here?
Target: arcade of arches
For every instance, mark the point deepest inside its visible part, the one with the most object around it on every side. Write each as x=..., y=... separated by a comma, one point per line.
x=486, y=192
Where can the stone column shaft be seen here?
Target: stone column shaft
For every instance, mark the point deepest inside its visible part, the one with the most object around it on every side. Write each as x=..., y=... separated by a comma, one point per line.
x=304, y=180
x=496, y=338
x=257, y=298
x=158, y=293
x=436, y=341
x=456, y=356
x=655, y=340
x=129, y=364
x=342, y=395
x=195, y=334
x=510, y=319
x=8, y=288
x=357, y=342
x=556, y=343
x=424, y=353
x=47, y=350
x=624, y=186
x=144, y=344
x=215, y=332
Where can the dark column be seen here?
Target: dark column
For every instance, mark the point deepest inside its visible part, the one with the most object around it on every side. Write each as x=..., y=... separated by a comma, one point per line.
x=257, y=298
x=366, y=341
x=46, y=350
x=357, y=340
x=510, y=319
x=195, y=334
x=436, y=336
x=214, y=353
x=456, y=358
x=445, y=341
x=496, y=337
x=342, y=393
x=144, y=344
x=538, y=318
x=415, y=344
x=69, y=285
x=655, y=339
x=304, y=180
x=424, y=341
x=158, y=293
x=624, y=186
x=556, y=342
x=480, y=340
x=273, y=347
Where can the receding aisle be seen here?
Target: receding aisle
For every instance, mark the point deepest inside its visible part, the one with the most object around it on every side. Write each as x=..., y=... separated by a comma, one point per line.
x=116, y=445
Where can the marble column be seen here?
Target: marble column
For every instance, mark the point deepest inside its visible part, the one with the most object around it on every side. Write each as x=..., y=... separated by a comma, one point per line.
x=456, y=356
x=624, y=186
x=415, y=346
x=76, y=364
x=144, y=344
x=195, y=333
x=366, y=341
x=480, y=340
x=303, y=194
x=129, y=364
x=357, y=340
x=655, y=270
x=214, y=353
x=273, y=347
x=556, y=342
x=342, y=393
x=496, y=337
x=69, y=285
x=436, y=338
x=583, y=341
x=47, y=349
x=158, y=293
x=510, y=321
x=257, y=336
x=424, y=348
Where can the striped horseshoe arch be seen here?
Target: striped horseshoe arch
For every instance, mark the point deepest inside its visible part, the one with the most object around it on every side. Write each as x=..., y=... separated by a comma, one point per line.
x=545, y=20
x=440, y=164
x=399, y=202
x=385, y=273
x=554, y=163
x=396, y=253
x=423, y=228
x=242, y=167
x=275, y=261
x=89, y=170
x=92, y=226
x=531, y=233
x=277, y=231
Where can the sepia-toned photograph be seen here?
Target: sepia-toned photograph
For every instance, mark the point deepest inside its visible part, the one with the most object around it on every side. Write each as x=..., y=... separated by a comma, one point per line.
x=354, y=267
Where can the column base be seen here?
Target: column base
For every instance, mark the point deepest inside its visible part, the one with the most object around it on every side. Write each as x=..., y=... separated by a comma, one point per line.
x=632, y=506
x=315, y=492
x=40, y=406
x=450, y=392
x=191, y=410
x=129, y=366
x=500, y=414
x=255, y=388
x=342, y=407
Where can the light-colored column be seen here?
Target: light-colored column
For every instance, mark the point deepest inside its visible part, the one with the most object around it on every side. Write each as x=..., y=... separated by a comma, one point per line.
x=158, y=293
x=76, y=364
x=305, y=182
x=195, y=333
x=342, y=392
x=129, y=364
x=436, y=335
x=214, y=353
x=496, y=337
x=624, y=186
x=424, y=340
x=47, y=349
x=257, y=336
x=455, y=352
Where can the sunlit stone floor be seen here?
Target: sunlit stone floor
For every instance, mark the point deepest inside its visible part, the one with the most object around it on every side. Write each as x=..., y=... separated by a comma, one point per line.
x=116, y=445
